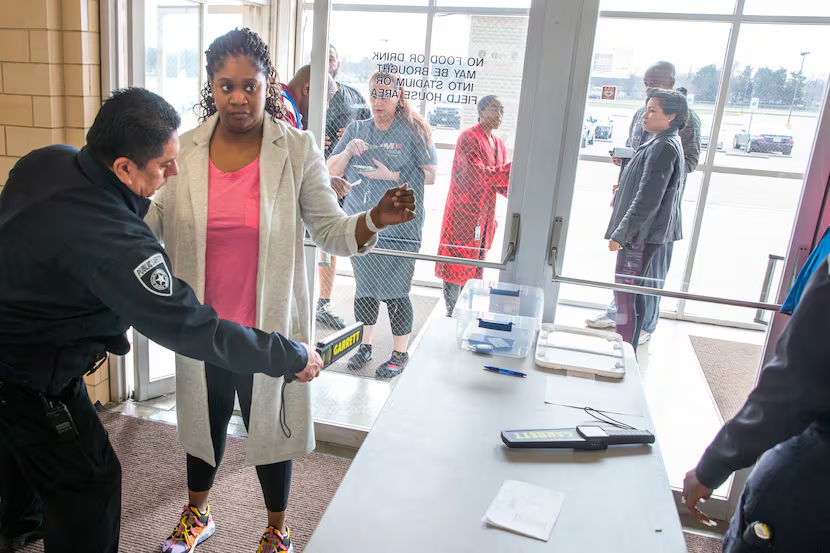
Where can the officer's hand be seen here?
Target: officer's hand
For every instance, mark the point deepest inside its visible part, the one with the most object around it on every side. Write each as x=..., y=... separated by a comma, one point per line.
x=693, y=493
x=616, y=161
x=395, y=207
x=328, y=142
x=312, y=368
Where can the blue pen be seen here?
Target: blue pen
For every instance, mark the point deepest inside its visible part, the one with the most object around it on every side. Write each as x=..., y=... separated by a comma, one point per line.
x=504, y=371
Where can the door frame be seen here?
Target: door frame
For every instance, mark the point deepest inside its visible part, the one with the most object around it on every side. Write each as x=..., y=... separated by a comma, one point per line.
x=806, y=228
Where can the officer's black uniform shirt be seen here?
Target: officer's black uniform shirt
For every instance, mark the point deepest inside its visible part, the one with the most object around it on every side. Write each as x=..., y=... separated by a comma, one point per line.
x=79, y=266
x=793, y=391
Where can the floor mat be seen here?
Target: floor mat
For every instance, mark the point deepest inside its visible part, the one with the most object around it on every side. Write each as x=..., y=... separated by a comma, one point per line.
x=730, y=369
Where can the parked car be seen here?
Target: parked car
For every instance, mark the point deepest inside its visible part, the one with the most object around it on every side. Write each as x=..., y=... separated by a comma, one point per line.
x=445, y=117
x=587, y=131
x=763, y=142
x=603, y=128
x=595, y=93
x=704, y=143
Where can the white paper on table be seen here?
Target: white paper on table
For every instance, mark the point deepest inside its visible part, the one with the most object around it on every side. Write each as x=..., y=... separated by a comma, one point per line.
x=579, y=393
x=525, y=509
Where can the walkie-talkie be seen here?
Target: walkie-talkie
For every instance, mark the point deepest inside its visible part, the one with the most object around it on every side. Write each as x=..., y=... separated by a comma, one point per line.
x=581, y=437
x=337, y=345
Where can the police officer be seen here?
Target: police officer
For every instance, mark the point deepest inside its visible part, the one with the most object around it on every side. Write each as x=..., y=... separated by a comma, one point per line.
x=783, y=506
x=79, y=266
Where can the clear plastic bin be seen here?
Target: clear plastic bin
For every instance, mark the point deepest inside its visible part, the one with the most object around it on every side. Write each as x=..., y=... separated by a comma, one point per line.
x=500, y=317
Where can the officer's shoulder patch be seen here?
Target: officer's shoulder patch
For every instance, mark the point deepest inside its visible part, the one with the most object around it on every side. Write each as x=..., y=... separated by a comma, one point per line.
x=154, y=275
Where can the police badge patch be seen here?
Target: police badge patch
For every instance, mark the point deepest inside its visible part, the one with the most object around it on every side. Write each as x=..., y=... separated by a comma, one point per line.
x=154, y=275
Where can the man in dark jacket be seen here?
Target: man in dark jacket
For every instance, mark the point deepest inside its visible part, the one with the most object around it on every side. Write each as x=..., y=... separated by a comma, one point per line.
x=80, y=266
x=783, y=506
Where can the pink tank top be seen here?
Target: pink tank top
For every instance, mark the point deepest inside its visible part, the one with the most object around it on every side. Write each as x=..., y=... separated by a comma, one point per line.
x=232, y=251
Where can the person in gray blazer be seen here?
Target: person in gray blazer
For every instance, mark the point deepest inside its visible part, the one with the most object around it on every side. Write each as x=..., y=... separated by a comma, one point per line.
x=647, y=205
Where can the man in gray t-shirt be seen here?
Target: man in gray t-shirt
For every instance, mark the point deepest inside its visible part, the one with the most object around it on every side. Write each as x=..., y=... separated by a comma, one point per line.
x=659, y=75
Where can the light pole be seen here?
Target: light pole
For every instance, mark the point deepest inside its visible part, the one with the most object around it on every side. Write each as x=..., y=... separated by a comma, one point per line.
x=796, y=85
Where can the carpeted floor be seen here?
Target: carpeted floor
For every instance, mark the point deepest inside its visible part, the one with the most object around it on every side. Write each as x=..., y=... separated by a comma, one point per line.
x=154, y=490
x=422, y=307
x=730, y=369
x=702, y=544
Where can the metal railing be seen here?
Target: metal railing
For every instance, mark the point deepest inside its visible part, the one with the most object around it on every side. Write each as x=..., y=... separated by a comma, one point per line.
x=508, y=256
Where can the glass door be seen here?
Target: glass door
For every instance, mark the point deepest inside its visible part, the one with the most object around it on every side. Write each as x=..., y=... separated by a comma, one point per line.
x=427, y=93
x=756, y=87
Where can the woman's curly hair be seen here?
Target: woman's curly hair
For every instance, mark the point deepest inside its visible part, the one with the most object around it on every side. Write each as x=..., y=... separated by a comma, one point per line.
x=242, y=42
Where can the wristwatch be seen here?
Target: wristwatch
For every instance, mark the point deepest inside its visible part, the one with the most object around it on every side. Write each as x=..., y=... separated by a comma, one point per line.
x=371, y=224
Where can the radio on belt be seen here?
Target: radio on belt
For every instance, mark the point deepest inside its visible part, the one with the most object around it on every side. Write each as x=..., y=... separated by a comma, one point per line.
x=337, y=345
x=581, y=437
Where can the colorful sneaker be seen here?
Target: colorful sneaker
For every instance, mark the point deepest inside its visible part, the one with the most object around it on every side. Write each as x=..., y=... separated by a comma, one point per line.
x=393, y=367
x=362, y=356
x=328, y=317
x=274, y=542
x=194, y=528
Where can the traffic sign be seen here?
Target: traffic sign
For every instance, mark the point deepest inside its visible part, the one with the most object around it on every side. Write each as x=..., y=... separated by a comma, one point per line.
x=609, y=92
x=753, y=105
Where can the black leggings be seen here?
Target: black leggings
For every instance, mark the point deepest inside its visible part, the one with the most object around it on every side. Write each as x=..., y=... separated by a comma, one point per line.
x=275, y=479
x=400, y=313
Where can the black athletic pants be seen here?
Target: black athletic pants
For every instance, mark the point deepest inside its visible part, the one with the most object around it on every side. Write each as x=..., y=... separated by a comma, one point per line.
x=275, y=479
x=77, y=479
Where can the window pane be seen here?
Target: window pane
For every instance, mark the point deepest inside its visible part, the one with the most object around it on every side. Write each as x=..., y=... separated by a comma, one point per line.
x=698, y=6
x=401, y=107
x=793, y=7
x=395, y=3
x=486, y=3
x=621, y=63
x=747, y=219
x=172, y=59
x=774, y=104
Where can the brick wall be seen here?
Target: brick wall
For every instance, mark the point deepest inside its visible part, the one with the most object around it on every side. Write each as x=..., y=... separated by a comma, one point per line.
x=49, y=87
x=49, y=74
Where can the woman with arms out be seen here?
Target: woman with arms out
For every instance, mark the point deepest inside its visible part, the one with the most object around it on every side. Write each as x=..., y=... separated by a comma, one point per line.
x=233, y=223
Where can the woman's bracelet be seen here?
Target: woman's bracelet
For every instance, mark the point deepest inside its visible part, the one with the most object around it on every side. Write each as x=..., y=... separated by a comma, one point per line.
x=371, y=224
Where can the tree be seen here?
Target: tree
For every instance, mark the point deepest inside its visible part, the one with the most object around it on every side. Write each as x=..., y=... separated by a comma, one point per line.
x=705, y=84
x=794, y=89
x=770, y=86
x=740, y=92
x=814, y=93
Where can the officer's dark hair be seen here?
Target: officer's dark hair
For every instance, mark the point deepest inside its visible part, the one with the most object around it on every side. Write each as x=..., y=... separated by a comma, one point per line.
x=674, y=103
x=242, y=42
x=133, y=123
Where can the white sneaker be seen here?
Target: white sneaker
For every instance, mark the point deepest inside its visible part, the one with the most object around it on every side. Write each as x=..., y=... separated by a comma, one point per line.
x=601, y=322
x=645, y=337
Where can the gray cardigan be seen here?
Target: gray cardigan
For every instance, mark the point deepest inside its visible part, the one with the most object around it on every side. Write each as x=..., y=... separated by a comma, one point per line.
x=647, y=203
